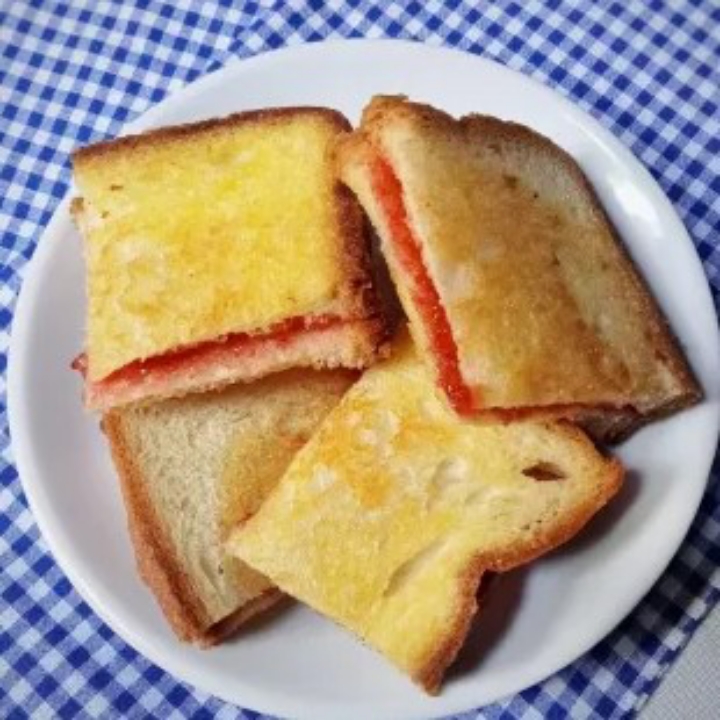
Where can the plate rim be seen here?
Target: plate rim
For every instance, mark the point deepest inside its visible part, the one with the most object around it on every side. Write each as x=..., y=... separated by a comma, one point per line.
x=54, y=536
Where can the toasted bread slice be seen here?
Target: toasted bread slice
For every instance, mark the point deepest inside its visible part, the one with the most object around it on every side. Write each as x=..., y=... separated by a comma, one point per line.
x=389, y=517
x=193, y=467
x=221, y=251
x=519, y=294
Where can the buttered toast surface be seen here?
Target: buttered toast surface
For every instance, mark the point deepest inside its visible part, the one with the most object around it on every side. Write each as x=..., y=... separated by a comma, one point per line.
x=388, y=518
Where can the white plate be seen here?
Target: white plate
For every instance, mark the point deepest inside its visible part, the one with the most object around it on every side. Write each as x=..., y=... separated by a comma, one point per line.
x=301, y=665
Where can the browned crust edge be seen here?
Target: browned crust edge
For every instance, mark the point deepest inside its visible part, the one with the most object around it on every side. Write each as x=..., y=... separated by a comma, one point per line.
x=158, y=565
x=359, y=294
x=181, y=132
x=605, y=423
x=553, y=411
x=430, y=676
x=228, y=626
x=608, y=424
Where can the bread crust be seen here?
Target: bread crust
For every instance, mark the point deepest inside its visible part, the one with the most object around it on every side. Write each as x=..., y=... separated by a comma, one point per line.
x=230, y=625
x=158, y=565
x=166, y=135
x=359, y=295
x=607, y=423
x=432, y=671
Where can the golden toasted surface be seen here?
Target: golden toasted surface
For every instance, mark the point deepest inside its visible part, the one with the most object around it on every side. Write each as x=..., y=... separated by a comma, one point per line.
x=390, y=515
x=544, y=305
x=279, y=414
x=201, y=232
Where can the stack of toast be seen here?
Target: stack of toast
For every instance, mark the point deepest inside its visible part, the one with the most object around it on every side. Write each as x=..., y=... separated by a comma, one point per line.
x=275, y=435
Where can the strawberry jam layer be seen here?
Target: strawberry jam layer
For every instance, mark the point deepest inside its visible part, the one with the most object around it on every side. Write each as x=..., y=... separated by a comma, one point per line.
x=240, y=343
x=388, y=192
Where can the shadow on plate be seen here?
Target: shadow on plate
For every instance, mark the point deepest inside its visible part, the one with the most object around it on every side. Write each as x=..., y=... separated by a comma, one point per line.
x=260, y=622
x=500, y=596
x=604, y=522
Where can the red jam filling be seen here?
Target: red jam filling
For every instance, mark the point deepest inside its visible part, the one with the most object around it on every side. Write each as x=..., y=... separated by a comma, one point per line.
x=388, y=192
x=174, y=360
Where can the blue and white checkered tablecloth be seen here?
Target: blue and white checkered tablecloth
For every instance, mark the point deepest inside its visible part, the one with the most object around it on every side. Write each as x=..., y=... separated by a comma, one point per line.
x=72, y=72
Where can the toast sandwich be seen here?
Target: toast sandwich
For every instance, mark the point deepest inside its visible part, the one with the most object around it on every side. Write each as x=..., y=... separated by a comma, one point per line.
x=220, y=252
x=387, y=520
x=191, y=468
x=520, y=296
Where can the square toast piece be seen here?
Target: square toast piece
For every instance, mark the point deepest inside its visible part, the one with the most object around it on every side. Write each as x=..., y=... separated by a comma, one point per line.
x=221, y=251
x=520, y=295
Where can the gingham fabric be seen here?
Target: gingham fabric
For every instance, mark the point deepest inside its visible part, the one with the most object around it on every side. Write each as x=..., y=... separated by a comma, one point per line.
x=75, y=72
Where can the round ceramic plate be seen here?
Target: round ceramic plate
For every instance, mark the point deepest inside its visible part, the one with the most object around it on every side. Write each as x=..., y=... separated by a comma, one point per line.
x=300, y=665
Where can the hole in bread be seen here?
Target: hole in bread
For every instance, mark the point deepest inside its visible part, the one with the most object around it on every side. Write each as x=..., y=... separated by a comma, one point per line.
x=544, y=471
x=414, y=566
